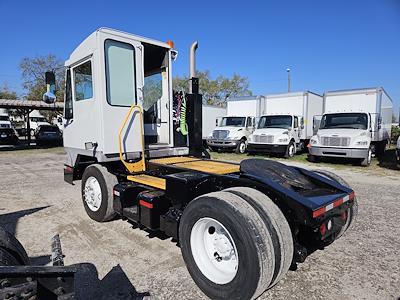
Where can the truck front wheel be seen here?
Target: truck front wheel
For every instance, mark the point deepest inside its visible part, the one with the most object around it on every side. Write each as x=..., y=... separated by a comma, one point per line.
x=365, y=162
x=97, y=192
x=290, y=150
x=241, y=147
x=226, y=246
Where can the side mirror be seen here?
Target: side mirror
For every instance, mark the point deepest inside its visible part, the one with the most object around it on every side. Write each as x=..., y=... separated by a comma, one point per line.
x=50, y=96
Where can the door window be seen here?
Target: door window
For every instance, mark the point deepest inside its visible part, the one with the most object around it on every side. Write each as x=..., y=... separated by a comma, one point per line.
x=83, y=81
x=296, y=122
x=120, y=73
x=68, y=111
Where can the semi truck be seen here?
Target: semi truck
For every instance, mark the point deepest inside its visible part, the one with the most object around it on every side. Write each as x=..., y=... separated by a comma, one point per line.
x=212, y=116
x=287, y=124
x=235, y=128
x=356, y=124
x=239, y=226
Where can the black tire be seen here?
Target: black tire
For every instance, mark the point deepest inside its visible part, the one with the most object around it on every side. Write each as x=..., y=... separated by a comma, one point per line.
x=7, y=258
x=107, y=181
x=365, y=162
x=277, y=225
x=241, y=147
x=290, y=150
x=13, y=247
x=253, y=242
x=352, y=212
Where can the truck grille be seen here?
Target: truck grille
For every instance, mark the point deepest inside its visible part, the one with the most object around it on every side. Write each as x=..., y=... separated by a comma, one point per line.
x=220, y=134
x=335, y=141
x=268, y=139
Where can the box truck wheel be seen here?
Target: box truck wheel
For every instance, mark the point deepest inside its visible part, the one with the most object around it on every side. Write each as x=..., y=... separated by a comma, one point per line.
x=12, y=253
x=277, y=225
x=97, y=192
x=226, y=246
x=352, y=212
x=290, y=150
x=365, y=162
x=241, y=147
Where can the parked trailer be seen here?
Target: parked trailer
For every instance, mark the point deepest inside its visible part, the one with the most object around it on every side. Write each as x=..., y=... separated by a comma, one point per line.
x=355, y=124
x=212, y=116
x=287, y=123
x=235, y=128
x=239, y=226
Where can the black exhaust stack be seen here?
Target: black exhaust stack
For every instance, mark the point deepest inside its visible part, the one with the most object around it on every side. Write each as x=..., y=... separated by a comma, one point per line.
x=194, y=116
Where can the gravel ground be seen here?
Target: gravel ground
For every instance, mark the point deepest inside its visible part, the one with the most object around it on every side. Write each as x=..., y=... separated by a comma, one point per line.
x=119, y=261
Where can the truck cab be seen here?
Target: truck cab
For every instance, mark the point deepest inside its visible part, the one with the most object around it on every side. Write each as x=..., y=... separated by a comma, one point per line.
x=343, y=135
x=5, y=121
x=280, y=134
x=232, y=133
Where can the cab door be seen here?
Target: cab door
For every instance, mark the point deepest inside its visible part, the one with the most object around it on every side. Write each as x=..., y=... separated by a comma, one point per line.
x=123, y=77
x=296, y=130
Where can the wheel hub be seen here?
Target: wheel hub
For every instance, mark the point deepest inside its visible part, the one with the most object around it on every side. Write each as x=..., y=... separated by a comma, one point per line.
x=92, y=193
x=214, y=250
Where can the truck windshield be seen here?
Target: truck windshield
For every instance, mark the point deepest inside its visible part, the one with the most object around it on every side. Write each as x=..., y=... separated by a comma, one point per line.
x=233, y=121
x=345, y=120
x=284, y=122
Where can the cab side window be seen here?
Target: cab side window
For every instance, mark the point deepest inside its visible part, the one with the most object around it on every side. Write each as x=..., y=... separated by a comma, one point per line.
x=68, y=110
x=83, y=81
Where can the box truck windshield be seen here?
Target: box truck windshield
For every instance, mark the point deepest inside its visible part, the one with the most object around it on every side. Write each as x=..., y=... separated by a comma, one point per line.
x=284, y=122
x=348, y=120
x=233, y=121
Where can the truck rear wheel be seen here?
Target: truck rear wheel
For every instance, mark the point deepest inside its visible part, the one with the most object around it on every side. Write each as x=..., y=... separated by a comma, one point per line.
x=277, y=225
x=226, y=246
x=352, y=212
x=97, y=192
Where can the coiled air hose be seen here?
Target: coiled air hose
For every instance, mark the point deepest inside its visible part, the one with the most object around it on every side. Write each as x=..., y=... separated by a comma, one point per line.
x=183, y=125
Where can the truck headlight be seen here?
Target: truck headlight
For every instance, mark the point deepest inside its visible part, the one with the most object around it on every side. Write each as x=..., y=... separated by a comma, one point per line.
x=313, y=141
x=362, y=143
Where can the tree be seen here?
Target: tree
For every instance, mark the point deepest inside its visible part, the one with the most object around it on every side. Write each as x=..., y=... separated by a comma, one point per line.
x=6, y=93
x=218, y=90
x=33, y=71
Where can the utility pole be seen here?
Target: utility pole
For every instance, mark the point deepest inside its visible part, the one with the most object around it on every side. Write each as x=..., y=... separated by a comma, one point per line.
x=288, y=79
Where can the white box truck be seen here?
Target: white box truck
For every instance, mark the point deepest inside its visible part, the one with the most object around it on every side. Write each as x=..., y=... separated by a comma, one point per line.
x=287, y=123
x=235, y=128
x=212, y=115
x=356, y=124
x=4, y=119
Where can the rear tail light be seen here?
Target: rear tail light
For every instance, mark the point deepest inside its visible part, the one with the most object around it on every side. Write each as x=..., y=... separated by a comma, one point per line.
x=322, y=229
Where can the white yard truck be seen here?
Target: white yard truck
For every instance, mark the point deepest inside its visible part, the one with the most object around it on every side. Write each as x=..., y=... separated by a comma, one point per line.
x=239, y=226
x=355, y=124
x=235, y=128
x=287, y=123
x=212, y=116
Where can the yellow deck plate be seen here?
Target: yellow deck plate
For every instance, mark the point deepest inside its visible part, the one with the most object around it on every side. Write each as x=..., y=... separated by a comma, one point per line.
x=202, y=165
x=149, y=180
x=173, y=160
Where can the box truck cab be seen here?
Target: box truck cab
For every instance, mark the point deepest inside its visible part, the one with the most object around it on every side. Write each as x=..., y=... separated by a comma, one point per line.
x=286, y=126
x=356, y=124
x=234, y=130
x=212, y=116
x=278, y=134
x=4, y=119
x=36, y=119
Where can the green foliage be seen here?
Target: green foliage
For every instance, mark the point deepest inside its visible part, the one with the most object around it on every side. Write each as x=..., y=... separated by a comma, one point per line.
x=33, y=71
x=6, y=93
x=216, y=91
x=395, y=133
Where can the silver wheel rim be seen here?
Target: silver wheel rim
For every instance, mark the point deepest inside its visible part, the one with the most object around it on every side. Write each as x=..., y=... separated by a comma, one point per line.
x=214, y=251
x=242, y=147
x=369, y=156
x=92, y=193
x=291, y=150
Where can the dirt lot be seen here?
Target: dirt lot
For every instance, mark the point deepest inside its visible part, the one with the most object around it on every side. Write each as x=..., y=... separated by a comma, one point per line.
x=127, y=263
